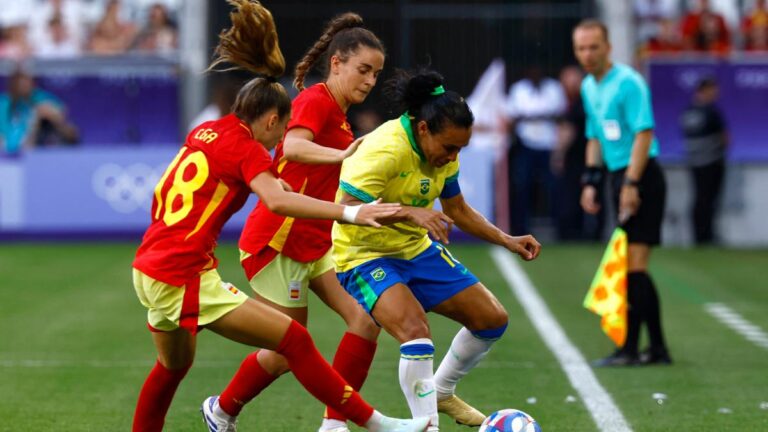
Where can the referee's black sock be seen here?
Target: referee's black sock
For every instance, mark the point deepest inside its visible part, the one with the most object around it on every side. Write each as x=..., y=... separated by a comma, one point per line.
x=649, y=309
x=634, y=316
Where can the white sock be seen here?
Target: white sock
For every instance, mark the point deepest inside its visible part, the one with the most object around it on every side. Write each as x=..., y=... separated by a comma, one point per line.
x=416, y=378
x=374, y=423
x=329, y=424
x=465, y=353
x=218, y=412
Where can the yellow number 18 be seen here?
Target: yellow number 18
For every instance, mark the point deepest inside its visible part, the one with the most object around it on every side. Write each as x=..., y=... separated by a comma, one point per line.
x=186, y=189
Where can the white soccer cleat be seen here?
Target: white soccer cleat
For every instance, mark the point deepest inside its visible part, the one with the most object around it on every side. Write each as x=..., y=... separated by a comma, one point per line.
x=389, y=424
x=215, y=422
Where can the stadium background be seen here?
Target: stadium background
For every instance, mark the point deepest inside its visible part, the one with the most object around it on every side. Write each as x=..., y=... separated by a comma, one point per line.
x=61, y=208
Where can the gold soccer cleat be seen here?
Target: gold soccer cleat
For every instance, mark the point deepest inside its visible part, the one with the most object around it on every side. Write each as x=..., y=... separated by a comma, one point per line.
x=460, y=411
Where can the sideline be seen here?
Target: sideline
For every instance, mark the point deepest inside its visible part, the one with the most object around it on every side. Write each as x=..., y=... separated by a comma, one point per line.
x=598, y=402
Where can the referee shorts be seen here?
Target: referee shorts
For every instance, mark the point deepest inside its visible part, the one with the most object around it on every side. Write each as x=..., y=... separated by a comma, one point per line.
x=645, y=226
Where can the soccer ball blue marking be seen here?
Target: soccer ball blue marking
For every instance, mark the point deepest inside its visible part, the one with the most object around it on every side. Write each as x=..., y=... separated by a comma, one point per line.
x=509, y=420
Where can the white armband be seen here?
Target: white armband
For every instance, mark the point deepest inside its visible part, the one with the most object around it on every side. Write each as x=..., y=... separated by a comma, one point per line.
x=350, y=213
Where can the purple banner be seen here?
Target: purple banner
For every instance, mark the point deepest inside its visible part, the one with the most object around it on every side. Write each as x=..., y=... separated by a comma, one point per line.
x=86, y=191
x=743, y=102
x=117, y=101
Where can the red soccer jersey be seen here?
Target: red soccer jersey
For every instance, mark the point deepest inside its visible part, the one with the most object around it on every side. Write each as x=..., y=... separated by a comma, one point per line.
x=303, y=240
x=202, y=188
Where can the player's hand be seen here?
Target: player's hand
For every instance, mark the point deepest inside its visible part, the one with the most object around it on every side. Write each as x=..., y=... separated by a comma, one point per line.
x=629, y=202
x=435, y=222
x=50, y=112
x=370, y=213
x=349, y=151
x=284, y=184
x=526, y=246
x=589, y=200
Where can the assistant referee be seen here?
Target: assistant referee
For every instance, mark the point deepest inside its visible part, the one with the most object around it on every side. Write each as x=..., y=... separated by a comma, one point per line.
x=620, y=136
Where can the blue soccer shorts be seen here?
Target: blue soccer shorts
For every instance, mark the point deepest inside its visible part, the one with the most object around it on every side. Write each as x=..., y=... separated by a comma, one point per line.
x=433, y=276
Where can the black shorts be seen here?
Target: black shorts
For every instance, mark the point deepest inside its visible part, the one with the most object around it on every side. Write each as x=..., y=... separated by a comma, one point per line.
x=645, y=225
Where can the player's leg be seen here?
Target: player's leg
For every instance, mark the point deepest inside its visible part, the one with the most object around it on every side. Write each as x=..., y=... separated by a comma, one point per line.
x=168, y=308
x=281, y=284
x=379, y=287
x=175, y=353
x=357, y=348
x=401, y=315
x=256, y=324
x=484, y=320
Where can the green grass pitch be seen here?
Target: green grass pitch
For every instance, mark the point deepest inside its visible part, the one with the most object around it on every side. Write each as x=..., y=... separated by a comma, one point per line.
x=74, y=349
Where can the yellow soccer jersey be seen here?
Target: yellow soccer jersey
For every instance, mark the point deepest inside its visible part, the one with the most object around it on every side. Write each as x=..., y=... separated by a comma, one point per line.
x=389, y=165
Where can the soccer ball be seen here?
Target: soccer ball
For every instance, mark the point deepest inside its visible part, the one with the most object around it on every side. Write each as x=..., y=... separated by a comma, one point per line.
x=509, y=420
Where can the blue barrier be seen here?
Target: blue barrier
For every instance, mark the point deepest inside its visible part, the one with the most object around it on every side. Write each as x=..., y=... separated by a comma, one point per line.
x=107, y=192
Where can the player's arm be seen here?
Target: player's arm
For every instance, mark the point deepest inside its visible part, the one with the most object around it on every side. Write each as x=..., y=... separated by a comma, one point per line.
x=473, y=222
x=284, y=203
x=436, y=223
x=299, y=146
x=592, y=177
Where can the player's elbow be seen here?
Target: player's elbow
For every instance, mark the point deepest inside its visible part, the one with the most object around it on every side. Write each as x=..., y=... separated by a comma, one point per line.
x=277, y=203
x=291, y=150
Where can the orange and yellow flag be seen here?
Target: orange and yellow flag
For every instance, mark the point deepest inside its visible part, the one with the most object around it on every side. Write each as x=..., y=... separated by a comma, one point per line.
x=607, y=295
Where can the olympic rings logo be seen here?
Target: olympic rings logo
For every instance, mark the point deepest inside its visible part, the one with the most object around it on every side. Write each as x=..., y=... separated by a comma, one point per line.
x=126, y=189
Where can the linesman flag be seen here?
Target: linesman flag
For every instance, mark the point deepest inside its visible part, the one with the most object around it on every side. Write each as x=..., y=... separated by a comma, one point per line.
x=607, y=295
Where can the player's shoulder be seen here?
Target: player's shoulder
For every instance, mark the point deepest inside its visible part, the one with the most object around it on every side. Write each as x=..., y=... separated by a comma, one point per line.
x=227, y=134
x=390, y=135
x=315, y=94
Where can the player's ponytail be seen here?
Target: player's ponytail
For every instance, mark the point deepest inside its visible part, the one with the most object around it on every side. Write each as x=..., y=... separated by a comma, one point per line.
x=422, y=95
x=342, y=36
x=252, y=44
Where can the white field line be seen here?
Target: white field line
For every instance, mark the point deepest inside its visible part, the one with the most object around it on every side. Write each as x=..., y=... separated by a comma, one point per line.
x=737, y=323
x=109, y=364
x=598, y=402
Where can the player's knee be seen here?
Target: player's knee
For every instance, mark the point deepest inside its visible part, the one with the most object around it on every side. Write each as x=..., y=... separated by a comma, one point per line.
x=364, y=326
x=490, y=333
x=493, y=325
x=177, y=363
x=273, y=363
x=410, y=330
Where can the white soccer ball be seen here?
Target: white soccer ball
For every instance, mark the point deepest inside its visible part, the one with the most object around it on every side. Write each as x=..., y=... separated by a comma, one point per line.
x=509, y=420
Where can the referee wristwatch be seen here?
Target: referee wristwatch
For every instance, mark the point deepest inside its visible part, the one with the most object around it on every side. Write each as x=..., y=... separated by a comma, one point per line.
x=630, y=182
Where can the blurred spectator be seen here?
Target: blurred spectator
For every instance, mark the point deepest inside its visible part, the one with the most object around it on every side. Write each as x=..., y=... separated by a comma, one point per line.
x=705, y=30
x=568, y=164
x=31, y=117
x=58, y=43
x=69, y=19
x=14, y=44
x=706, y=139
x=111, y=34
x=667, y=40
x=364, y=121
x=159, y=35
x=650, y=14
x=533, y=106
x=223, y=93
x=754, y=27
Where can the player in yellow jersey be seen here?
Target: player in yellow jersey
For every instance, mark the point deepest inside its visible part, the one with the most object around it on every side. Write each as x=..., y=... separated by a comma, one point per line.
x=397, y=273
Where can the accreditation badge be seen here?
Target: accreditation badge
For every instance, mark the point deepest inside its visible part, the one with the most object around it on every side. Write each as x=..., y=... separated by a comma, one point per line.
x=611, y=130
